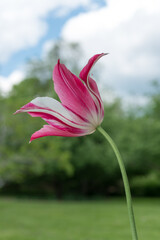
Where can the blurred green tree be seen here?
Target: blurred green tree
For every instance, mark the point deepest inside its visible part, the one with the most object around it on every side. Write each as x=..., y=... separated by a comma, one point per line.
x=84, y=166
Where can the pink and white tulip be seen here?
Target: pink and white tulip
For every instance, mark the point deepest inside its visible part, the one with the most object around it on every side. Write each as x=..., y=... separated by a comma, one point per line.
x=81, y=109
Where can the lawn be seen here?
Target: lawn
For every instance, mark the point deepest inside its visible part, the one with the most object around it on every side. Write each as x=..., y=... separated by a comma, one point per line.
x=88, y=220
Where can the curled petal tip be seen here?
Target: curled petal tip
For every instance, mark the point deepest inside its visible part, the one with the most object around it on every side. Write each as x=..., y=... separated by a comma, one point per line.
x=31, y=139
x=103, y=54
x=18, y=111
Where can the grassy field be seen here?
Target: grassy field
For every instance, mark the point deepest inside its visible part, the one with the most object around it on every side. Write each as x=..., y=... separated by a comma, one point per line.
x=101, y=220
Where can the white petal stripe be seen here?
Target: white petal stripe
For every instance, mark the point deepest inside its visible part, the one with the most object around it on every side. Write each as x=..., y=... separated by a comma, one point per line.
x=58, y=111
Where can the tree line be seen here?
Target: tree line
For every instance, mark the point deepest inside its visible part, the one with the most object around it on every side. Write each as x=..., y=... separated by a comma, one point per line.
x=83, y=166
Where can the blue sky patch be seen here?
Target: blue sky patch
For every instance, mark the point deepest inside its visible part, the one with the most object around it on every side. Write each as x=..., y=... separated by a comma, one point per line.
x=55, y=25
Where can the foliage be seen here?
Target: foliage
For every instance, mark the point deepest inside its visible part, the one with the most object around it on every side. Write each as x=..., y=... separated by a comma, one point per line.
x=84, y=166
x=147, y=185
x=69, y=54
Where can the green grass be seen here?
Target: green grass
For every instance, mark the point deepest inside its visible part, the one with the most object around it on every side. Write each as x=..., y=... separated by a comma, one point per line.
x=101, y=220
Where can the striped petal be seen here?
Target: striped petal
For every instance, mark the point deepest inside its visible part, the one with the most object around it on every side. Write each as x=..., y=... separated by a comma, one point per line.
x=50, y=109
x=91, y=84
x=49, y=130
x=86, y=70
x=73, y=93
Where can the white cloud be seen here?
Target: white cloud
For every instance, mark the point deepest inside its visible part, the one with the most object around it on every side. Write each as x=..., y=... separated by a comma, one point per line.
x=129, y=100
x=48, y=45
x=22, y=23
x=6, y=83
x=130, y=32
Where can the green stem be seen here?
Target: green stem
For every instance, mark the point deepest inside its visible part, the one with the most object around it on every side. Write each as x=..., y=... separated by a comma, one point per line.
x=125, y=181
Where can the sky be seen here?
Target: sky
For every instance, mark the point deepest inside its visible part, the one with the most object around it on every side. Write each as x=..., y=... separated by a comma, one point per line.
x=129, y=30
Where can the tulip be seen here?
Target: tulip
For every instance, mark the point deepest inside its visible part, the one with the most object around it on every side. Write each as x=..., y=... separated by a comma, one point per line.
x=81, y=109
x=80, y=113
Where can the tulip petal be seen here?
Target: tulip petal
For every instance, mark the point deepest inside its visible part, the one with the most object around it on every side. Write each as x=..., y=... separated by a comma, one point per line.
x=86, y=70
x=91, y=84
x=84, y=75
x=49, y=130
x=50, y=109
x=73, y=93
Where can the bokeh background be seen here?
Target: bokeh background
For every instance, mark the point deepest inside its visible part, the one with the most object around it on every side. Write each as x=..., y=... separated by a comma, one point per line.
x=34, y=35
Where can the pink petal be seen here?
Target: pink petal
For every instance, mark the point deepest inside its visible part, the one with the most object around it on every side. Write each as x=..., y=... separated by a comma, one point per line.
x=62, y=120
x=86, y=70
x=95, y=92
x=73, y=93
x=50, y=109
x=91, y=84
x=84, y=74
x=48, y=130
